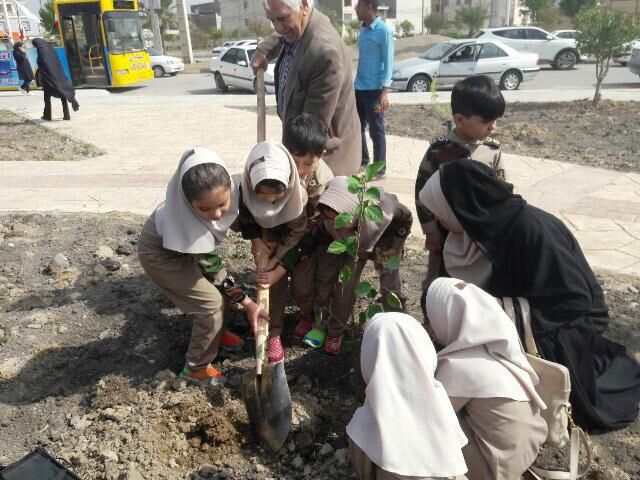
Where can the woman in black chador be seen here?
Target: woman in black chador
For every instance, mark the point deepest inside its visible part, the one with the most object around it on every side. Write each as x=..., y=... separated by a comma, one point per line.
x=23, y=66
x=53, y=80
x=512, y=249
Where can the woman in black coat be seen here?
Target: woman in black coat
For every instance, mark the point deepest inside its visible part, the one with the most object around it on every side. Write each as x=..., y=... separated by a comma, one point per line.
x=516, y=250
x=53, y=80
x=23, y=66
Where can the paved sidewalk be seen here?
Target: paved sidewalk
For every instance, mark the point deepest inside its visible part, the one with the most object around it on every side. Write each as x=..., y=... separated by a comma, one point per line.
x=144, y=138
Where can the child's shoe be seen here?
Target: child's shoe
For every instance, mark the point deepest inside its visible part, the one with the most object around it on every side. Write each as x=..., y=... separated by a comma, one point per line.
x=333, y=345
x=275, y=349
x=230, y=342
x=206, y=376
x=304, y=326
x=315, y=338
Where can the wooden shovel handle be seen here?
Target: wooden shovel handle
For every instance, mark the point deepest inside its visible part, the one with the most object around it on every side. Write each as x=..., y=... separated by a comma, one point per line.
x=262, y=107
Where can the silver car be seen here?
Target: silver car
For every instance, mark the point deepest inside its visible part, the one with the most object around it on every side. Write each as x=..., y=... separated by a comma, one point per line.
x=448, y=62
x=634, y=61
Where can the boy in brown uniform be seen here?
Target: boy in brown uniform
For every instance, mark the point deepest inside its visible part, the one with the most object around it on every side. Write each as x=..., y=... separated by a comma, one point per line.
x=476, y=104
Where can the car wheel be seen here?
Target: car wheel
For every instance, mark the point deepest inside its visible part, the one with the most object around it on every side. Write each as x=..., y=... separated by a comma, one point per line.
x=510, y=80
x=565, y=60
x=173, y=74
x=220, y=85
x=624, y=64
x=419, y=83
x=158, y=71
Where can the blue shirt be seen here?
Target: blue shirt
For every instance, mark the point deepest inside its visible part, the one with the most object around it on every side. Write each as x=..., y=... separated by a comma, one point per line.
x=375, y=62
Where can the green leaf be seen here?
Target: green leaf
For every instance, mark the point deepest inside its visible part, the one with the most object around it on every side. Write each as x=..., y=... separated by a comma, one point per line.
x=359, y=210
x=362, y=318
x=372, y=293
x=374, y=309
x=394, y=301
x=373, y=169
x=373, y=213
x=350, y=245
x=372, y=194
x=393, y=263
x=337, y=247
x=362, y=289
x=354, y=185
x=342, y=219
x=345, y=274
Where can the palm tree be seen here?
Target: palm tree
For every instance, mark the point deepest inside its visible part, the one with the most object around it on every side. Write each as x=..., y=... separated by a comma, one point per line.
x=472, y=17
x=47, y=15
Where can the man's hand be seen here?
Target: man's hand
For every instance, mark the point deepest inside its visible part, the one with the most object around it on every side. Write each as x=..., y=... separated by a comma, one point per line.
x=259, y=62
x=255, y=314
x=271, y=277
x=432, y=242
x=383, y=102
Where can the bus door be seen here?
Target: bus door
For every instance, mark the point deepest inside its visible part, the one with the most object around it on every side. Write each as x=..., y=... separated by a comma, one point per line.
x=83, y=43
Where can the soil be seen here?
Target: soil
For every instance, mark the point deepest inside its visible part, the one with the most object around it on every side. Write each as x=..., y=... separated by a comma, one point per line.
x=24, y=139
x=573, y=132
x=89, y=347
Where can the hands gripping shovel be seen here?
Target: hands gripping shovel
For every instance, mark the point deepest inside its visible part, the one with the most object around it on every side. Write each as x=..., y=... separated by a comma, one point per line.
x=265, y=390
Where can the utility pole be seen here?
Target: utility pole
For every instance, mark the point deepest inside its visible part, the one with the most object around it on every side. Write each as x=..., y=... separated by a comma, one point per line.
x=6, y=20
x=185, y=35
x=508, y=19
x=422, y=17
x=155, y=26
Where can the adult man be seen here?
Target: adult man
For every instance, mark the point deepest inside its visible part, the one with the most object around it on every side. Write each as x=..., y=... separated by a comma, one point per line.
x=375, y=65
x=313, y=75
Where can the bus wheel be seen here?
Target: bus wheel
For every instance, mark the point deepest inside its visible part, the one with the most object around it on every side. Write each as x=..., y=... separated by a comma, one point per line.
x=158, y=71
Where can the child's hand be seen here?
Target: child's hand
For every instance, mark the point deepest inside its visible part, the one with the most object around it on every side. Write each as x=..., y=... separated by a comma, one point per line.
x=255, y=315
x=432, y=242
x=259, y=249
x=269, y=278
x=273, y=263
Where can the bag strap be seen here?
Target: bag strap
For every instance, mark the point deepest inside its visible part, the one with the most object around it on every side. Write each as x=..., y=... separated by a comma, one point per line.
x=530, y=343
x=578, y=439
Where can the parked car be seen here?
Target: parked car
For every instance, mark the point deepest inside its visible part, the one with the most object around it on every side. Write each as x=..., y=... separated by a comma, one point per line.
x=634, y=60
x=626, y=56
x=233, y=69
x=217, y=51
x=163, y=64
x=561, y=53
x=570, y=34
x=450, y=61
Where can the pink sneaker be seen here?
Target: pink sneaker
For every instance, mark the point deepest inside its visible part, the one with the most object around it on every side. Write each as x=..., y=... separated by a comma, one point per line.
x=276, y=351
x=332, y=345
x=304, y=326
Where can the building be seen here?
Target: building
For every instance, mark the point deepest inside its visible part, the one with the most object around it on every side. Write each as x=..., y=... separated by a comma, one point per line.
x=498, y=11
x=206, y=15
x=237, y=14
x=21, y=19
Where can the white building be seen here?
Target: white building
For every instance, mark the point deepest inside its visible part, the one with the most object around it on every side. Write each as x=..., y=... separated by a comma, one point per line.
x=20, y=18
x=236, y=14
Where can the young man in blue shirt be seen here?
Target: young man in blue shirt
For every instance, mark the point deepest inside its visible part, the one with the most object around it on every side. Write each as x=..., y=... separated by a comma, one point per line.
x=375, y=65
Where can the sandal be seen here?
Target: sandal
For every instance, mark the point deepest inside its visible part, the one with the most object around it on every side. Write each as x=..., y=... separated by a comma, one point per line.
x=315, y=338
x=333, y=345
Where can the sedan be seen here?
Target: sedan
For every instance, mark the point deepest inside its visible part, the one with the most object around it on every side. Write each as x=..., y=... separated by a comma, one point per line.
x=163, y=64
x=233, y=69
x=634, y=60
x=626, y=56
x=447, y=62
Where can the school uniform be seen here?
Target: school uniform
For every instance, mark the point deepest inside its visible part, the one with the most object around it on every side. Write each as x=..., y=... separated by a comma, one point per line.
x=488, y=379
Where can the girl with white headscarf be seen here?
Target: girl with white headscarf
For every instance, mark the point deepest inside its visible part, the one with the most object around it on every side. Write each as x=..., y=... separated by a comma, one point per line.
x=177, y=250
x=488, y=379
x=379, y=241
x=407, y=428
x=273, y=216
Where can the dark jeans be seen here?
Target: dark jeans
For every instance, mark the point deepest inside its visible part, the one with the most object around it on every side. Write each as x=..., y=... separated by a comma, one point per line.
x=367, y=103
x=46, y=115
x=25, y=86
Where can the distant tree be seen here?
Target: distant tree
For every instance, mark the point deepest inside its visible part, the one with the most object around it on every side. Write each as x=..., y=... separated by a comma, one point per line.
x=472, y=17
x=603, y=33
x=259, y=28
x=333, y=17
x=549, y=18
x=435, y=23
x=167, y=17
x=216, y=33
x=47, y=15
x=407, y=28
x=571, y=7
x=533, y=8
x=353, y=29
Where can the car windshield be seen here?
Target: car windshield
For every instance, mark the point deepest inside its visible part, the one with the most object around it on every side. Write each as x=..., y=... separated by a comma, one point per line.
x=124, y=33
x=153, y=52
x=438, y=51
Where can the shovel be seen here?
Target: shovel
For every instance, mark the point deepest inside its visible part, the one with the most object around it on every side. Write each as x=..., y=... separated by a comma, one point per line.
x=265, y=390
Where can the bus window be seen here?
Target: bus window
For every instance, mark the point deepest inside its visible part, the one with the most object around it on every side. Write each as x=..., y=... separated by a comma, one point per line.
x=124, y=33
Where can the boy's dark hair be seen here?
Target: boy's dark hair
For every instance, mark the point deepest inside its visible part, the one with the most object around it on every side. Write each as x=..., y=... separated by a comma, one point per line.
x=477, y=95
x=374, y=3
x=305, y=134
x=277, y=185
x=201, y=179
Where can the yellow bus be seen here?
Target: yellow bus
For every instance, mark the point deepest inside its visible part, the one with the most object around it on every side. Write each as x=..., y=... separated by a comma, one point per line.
x=102, y=42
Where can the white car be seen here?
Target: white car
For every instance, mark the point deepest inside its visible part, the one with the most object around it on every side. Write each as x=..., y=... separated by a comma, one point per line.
x=448, y=62
x=217, y=51
x=567, y=34
x=561, y=53
x=233, y=69
x=163, y=64
x=624, y=58
x=634, y=60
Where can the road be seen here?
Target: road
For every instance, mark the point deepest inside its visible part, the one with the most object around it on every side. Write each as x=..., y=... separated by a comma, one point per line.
x=583, y=76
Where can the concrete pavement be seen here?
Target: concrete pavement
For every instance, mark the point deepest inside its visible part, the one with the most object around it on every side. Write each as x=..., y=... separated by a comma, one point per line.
x=143, y=138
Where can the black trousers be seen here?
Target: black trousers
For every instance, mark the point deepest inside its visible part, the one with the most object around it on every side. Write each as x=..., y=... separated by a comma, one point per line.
x=46, y=115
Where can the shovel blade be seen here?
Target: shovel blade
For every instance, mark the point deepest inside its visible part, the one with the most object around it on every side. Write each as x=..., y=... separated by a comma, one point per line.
x=268, y=403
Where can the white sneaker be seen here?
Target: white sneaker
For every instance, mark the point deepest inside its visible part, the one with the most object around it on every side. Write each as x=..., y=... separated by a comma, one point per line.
x=24, y=92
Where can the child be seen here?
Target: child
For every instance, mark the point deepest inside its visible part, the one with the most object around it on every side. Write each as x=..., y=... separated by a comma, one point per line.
x=378, y=242
x=476, y=103
x=273, y=216
x=201, y=203
x=406, y=429
x=305, y=137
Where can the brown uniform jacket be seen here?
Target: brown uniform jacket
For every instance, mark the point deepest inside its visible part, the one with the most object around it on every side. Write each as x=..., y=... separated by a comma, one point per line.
x=447, y=149
x=320, y=83
x=316, y=185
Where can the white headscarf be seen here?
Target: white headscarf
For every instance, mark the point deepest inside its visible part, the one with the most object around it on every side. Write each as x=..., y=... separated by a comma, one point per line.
x=270, y=160
x=407, y=425
x=462, y=257
x=338, y=197
x=180, y=227
x=482, y=357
